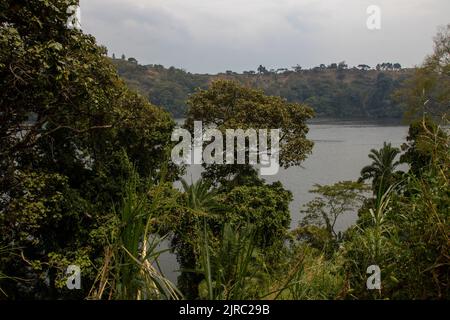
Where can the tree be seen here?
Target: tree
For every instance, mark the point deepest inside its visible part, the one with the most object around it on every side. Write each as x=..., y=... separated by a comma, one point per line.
x=70, y=130
x=382, y=170
x=262, y=70
x=333, y=66
x=342, y=65
x=427, y=93
x=418, y=150
x=266, y=207
x=364, y=67
x=200, y=196
x=328, y=206
x=228, y=105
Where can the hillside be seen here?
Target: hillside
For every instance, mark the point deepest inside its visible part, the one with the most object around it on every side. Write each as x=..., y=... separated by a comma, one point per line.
x=331, y=92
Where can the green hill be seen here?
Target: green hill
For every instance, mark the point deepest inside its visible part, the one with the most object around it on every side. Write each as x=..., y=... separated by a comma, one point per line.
x=331, y=91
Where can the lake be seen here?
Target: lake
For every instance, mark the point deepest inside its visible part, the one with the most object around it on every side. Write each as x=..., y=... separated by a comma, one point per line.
x=340, y=151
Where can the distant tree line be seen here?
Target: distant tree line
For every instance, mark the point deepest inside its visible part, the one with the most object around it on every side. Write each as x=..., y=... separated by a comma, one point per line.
x=332, y=66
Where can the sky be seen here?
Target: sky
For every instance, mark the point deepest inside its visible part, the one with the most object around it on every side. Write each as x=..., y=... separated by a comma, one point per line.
x=211, y=36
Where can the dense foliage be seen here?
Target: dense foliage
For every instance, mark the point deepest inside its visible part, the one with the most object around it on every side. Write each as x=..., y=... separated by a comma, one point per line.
x=331, y=92
x=428, y=90
x=68, y=129
x=85, y=177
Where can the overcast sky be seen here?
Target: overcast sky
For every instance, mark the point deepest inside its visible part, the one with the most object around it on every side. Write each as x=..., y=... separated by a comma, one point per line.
x=209, y=36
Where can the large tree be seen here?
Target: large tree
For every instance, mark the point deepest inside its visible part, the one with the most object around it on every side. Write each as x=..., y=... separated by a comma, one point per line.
x=69, y=132
x=229, y=105
x=382, y=170
x=329, y=205
x=428, y=91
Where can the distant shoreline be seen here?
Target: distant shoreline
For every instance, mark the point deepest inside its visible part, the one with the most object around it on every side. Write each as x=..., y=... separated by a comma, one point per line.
x=344, y=121
x=358, y=121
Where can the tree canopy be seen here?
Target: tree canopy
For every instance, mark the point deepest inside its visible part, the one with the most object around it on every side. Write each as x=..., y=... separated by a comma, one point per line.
x=70, y=130
x=346, y=93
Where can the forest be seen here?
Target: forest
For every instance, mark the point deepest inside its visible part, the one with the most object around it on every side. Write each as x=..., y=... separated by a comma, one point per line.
x=86, y=177
x=333, y=91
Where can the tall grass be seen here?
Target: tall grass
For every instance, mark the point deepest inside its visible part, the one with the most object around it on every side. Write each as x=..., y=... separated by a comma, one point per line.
x=229, y=266
x=131, y=270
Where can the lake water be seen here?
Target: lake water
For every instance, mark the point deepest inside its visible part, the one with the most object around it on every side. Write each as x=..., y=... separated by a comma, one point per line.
x=340, y=151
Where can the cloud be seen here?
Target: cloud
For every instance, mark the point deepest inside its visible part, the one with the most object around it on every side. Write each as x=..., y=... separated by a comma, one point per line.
x=218, y=35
